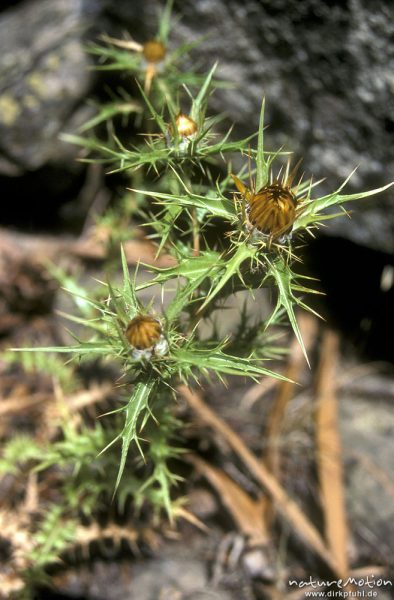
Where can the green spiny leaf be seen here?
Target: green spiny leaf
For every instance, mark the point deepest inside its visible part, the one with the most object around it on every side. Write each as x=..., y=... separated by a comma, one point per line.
x=100, y=347
x=136, y=406
x=158, y=118
x=217, y=206
x=165, y=22
x=311, y=213
x=231, y=267
x=108, y=112
x=85, y=305
x=283, y=277
x=262, y=165
x=198, y=110
x=189, y=267
x=219, y=362
x=129, y=288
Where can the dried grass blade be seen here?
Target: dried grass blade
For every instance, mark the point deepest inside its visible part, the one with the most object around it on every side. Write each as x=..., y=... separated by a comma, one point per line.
x=329, y=453
x=245, y=511
x=308, y=328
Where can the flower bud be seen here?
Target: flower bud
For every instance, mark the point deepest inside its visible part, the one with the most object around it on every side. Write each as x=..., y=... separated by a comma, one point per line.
x=154, y=51
x=185, y=126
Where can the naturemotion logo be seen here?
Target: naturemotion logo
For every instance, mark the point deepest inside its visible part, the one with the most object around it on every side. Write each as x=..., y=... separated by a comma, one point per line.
x=352, y=587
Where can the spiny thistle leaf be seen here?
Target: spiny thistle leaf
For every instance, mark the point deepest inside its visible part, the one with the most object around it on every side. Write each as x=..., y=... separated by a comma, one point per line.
x=262, y=165
x=165, y=22
x=53, y=535
x=231, y=267
x=91, y=144
x=217, y=206
x=129, y=295
x=163, y=476
x=109, y=111
x=85, y=305
x=185, y=48
x=312, y=211
x=17, y=451
x=96, y=324
x=218, y=361
x=134, y=160
x=224, y=147
x=189, y=267
x=284, y=277
x=184, y=296
x=82, y=348
x=116, y=59
x=136, y=406
x=163, y=126
x=199, y=104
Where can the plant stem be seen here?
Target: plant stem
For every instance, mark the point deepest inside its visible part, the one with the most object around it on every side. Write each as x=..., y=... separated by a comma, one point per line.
x=196, y=233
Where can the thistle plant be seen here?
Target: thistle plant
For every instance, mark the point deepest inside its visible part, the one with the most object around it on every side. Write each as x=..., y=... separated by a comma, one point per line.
x=181, y=171
x=157, y=349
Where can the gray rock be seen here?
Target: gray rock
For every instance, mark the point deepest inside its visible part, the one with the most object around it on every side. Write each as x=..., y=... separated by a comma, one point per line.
x=44, y=78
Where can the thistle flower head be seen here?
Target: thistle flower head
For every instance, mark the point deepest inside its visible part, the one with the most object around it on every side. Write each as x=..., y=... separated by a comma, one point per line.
x=145, y=335
x=272, y=209
x=143, y=332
